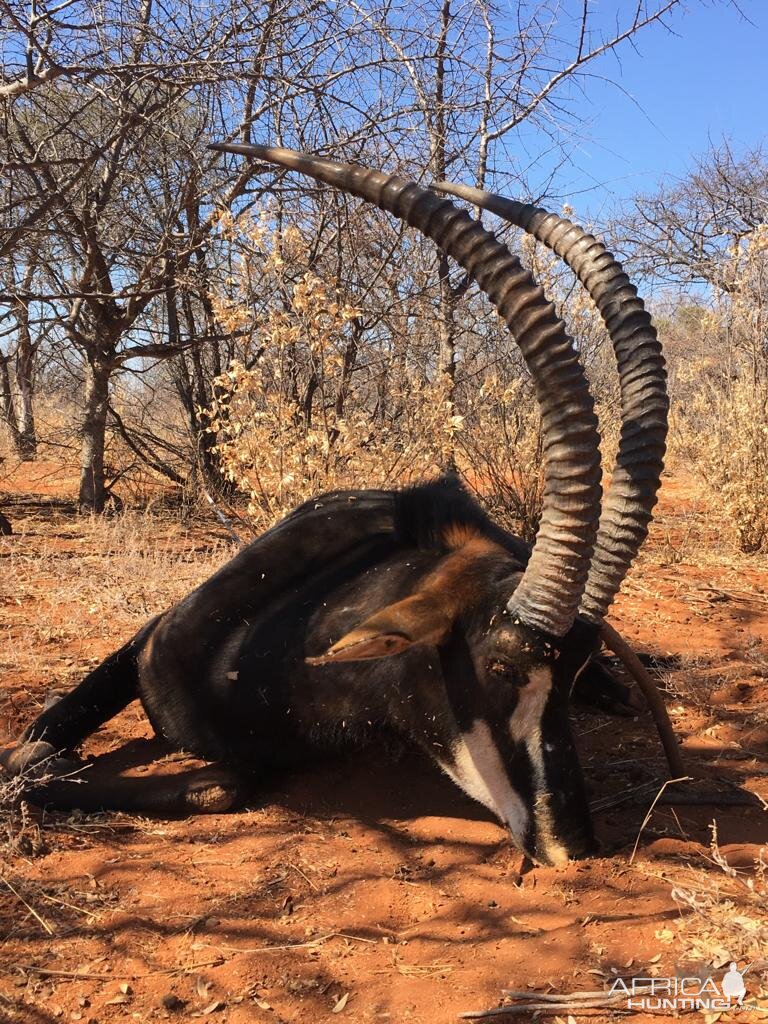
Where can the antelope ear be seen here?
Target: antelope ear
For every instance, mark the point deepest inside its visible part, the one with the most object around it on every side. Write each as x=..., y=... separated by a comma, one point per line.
x=418, y=619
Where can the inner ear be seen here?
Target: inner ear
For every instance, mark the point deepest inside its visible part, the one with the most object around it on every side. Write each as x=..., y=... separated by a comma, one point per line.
x=419, y=619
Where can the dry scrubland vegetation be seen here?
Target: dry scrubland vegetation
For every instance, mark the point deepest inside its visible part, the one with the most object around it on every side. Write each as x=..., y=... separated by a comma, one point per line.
x=303, y=407
x=175, y=331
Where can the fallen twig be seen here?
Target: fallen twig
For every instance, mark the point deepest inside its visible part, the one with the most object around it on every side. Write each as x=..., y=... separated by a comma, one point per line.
x=678, y=798
x=47, y=972
x=309, y=881
x=550, y=1003
x=706, y=797
x=559, y=997
x=41, y=920
x=540, y=1008
x=626, y=796
x=649, y=812
x=298, y=945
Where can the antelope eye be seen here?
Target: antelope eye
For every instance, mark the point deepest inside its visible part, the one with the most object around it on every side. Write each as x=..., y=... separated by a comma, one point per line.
x=497, y=667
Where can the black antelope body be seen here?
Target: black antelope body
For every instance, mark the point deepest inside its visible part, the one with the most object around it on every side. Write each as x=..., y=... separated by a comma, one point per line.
x=408, y=611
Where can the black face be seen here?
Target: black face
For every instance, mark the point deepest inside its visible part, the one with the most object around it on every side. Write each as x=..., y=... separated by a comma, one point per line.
x=485, y=695
x=513, y=749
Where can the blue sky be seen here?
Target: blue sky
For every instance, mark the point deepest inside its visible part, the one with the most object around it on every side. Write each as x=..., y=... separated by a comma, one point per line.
x=672, y=95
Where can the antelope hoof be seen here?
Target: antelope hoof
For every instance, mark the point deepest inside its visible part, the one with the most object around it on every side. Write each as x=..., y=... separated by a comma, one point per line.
x=212, y=797
x=22, y=758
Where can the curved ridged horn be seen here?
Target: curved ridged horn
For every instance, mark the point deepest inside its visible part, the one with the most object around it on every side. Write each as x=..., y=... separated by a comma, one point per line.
x=548, y=596
x=631, y=497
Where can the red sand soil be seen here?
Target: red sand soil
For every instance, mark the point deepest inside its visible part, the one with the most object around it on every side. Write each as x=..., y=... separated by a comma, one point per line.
x=374, y=888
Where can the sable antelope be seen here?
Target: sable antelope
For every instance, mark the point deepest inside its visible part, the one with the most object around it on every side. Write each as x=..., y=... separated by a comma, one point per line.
x=405, y=610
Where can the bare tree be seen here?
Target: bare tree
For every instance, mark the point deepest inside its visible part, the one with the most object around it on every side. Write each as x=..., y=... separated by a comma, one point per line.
x=475, y=75
x=108, y=107
x=110, y=166
x=681, y=233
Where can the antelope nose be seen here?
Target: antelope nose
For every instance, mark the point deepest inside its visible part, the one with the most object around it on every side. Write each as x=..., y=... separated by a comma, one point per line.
x=554, y=852
x=576, y=849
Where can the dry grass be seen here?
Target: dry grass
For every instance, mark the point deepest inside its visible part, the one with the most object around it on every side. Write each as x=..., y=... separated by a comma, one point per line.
x=722, y=432
x=724, y=909
x=70, y=594
x=92, y=573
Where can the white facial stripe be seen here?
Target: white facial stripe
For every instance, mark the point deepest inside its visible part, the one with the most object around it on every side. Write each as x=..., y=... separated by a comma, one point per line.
x=525, y=727
x=464, y=774
x=479, y=770
x=525, y=723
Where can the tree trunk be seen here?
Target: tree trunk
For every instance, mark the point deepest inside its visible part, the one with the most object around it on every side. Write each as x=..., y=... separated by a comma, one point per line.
x=446, y=358
x=446, y=361
x=92, y=433
x=7, y=408
x=194, y=387
x=25, y=369
x=17, y=411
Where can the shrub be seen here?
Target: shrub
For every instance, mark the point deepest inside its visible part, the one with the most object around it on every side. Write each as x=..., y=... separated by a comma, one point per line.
x=722, y=431
x=315, y=403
